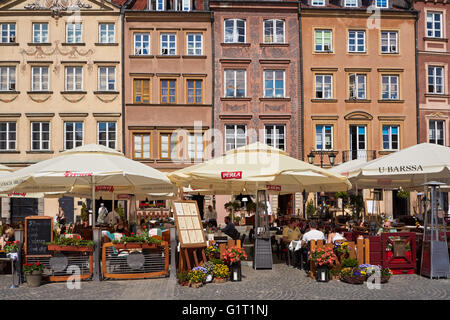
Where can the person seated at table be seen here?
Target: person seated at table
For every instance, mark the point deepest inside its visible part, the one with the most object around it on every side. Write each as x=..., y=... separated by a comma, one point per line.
x=120, y=228
x=7, y=236
x=335, y=235
x=230, y=229
x=386, y=228
x=291, y=231
x=211, y=216
x=312, y=234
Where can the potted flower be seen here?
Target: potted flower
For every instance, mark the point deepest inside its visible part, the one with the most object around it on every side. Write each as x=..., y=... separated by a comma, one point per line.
x=196, y=277
x=183, y=278
x=221, y=273
x=324, y=258
x=210, y=233
x=233, y=257
x=342, y=250
x=353, y=275
x=11, y=246
x=71, y=244
x=384, y=273
x=212, y=251
x=33, y=273
x=209, y=266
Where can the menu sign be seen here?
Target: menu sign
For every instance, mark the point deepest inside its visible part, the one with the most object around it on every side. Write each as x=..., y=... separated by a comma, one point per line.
x=38, y=231
x=189, y=224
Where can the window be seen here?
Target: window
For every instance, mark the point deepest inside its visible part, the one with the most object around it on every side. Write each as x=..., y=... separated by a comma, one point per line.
x=106, y=32
x=274, y=31
x=168, y=142
x=356, y=41
x=141, y=43
x=7, y=78
x=234, y=31
x=274, y=84
x=141, y=145
x=73, y=34
x=159, y=5
x=39, y=80
x=8, y=136
x=436, y=132
x=389, y=41
x=40, y=136
x=168, y=91
x=195, y=146
x=194, y=44
x=106, y=78
x=351, y=3
x=389, y=87
x=186, y=5
x=324, y=86
x=357, y=89
x=235, y=83
x=390, y=137
x=74, y=78
x=8, y=32
x=324, y=137
x=434, y=24
x=275, y=136
x=318, y=2
x=106, y=134
x=195, y=91
x=322, y=40
x=235, y=136
x=382, y=3
x=40, y=32
x=168, y=44
x=73, y=135
x=436, y=80
x=141, y=90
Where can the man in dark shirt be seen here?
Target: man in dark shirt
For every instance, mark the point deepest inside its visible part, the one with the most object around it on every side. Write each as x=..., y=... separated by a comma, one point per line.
x=230, y=229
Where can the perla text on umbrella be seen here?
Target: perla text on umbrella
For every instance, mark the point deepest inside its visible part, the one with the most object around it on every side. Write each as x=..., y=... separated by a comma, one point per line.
x=409, y=168
x=232, y=175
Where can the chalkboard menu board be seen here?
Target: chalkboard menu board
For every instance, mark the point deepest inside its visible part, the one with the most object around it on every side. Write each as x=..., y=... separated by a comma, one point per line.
x=189, y=224
x=38, y=231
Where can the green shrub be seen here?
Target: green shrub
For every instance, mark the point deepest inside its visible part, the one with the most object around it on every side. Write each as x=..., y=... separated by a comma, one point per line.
x=350, y=263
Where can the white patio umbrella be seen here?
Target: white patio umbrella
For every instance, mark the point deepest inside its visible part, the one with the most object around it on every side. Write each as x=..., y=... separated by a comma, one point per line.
x=346, y=167
x=409, y=168
x=88, y=166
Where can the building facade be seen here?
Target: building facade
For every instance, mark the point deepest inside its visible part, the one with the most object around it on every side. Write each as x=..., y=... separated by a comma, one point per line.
x=60, y=84
x=358, y=80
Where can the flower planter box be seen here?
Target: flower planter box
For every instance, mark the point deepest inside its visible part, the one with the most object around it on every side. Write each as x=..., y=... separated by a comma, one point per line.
x=55, y=247
x=353, y=279
x=133, y=245
x=34, y=279
x=196, y=284
x=219, y=280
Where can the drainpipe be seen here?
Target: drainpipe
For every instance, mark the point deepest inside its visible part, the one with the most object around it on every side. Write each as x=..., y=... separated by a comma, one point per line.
x=122, y=18
x=213, y=71
x=417, y=77
x=301, y=120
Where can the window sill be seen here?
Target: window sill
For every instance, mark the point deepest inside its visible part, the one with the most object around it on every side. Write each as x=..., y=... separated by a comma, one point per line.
x=435, y=39
x=73, y=44
x=40, y=92
x=323, y=52
x=9, y=151
x=385, y=152
x=144, y=160
x=9, y=92
x=40, y=151
x=362, y=52
x=437, y=95
x=141, y=56
x=235, y=99
x=390, y=53
x=106, y=92
x=106, y=44
x=391, y=101
x=73, y=92
x=9, y=44
x=324, y=100
x=274, y=44
x=275, y=99
x=235, y=44
x=39, y=43
x=358, y=101
x=192, y=56
x=168, y=56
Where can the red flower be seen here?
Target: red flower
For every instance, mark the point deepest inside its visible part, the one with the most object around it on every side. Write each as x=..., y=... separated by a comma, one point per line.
x=38, y=263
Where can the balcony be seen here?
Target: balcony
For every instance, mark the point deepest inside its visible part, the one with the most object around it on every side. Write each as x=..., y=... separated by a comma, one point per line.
x=366, y=155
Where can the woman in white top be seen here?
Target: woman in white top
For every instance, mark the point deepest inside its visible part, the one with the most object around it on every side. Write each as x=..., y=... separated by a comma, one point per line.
x=335, y=236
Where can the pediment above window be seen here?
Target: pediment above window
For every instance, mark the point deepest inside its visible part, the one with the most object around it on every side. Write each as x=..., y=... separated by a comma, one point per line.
x=358, y=115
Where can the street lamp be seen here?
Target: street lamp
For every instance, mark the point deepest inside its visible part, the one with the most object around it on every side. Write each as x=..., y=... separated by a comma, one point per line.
x=321, y=153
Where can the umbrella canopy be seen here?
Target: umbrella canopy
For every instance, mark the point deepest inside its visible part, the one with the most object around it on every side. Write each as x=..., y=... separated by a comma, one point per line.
x=4, y=170
x=346, y=167
x=258, y=166
x=81, y=168
x=409, y=168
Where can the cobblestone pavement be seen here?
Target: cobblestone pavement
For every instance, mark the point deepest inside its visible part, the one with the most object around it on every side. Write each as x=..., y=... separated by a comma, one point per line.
x=281, y=283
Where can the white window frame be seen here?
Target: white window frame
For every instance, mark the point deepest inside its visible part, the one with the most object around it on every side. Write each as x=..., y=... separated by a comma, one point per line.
x=140, y=44
x=9, y=80
x=349, y=3
x=195, y=44
x=8, y=131
x=435, y=122
x=74, y=141
x=72, y=28
x=41, y=141
x=235, y=31
x=323, y=76
x=318, y=3
x=390, y=136
x=161, y=43
x=389, y=91
x=160, y=5
x=356, y=32
x=140, y=135
x=323, y=134
x=235, y=135
x=389, y=39
x=433, y=30
x=74, y=73
x=234, y=80
x=40, y=79
x=356, y=86
x=435, y=77
x=108, y=71
x=273, y=82
x=41, y=36
x=107, y=141
x=275, y=136
x=186, y=7
x=386, y=6
x=196, y=136
x=275, y=39
x=11, y=34
x=323, y=40
x=109, y=26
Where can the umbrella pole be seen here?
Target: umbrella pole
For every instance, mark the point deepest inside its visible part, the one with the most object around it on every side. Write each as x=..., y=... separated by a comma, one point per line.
x=93, y=201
